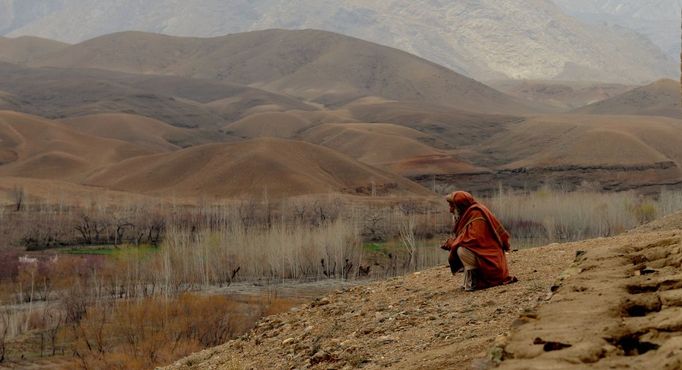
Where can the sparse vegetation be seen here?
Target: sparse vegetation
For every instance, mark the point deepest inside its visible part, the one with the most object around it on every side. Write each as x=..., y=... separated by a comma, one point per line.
x=139, y=262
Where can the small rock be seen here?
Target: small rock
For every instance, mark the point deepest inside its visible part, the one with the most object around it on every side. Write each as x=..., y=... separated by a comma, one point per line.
x=386, y=339
x=320, y=356
x=288, y=341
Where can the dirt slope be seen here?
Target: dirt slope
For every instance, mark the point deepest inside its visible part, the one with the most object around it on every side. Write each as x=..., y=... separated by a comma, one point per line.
x=420, y=321
x=424, y=321
x=619, y=306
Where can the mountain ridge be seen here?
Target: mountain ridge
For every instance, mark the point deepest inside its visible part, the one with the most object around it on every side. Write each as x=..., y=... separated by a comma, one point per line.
x=539, y=39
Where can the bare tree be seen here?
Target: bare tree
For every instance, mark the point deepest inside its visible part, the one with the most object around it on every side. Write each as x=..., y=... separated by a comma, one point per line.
x=18, y=196
x=4, y=331
x=408, y=240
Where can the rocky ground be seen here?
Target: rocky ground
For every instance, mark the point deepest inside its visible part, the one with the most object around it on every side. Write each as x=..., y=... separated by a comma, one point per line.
x=603, y=303
x=619, y=306
x=420, y=321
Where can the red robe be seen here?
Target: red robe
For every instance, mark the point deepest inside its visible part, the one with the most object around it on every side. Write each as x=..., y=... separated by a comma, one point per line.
x=479, y=231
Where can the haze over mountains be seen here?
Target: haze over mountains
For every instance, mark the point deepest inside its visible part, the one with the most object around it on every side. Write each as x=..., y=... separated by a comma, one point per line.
x=655, y=19
x=488, y=39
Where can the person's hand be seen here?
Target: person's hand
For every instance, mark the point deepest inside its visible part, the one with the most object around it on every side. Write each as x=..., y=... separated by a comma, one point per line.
x=446, y=245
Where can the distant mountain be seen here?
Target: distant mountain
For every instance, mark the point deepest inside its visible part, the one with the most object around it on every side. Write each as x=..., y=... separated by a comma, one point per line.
x=25, y=49
x=561, y=96
x=328, y=68
x=483, y=39
x=59, y=93
x=659, y=20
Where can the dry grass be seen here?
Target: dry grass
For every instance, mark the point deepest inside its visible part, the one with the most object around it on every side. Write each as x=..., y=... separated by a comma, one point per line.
x=547, y=215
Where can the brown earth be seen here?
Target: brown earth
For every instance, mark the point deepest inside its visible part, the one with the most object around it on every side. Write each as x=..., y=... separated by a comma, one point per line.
x=618, y=306
x=613, y=302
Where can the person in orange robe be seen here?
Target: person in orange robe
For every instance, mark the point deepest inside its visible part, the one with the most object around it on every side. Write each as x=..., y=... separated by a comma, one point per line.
x=479, y=244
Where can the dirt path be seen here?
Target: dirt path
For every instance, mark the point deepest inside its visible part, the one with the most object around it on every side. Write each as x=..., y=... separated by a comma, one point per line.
x=420, y=321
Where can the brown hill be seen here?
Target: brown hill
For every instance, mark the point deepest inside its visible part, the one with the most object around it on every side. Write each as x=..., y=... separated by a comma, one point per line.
x=598, y=151
x=270, y=124
x=142, y=131
x=395, y=148
x=186, y=102
x=588, y=140
x=38, y=148
x=453, y=126
x=25, y=49
x=278, y=167
x=59, y=93
x=560, y=96
x=311, y=64
x=230, y=101
x=661, y=98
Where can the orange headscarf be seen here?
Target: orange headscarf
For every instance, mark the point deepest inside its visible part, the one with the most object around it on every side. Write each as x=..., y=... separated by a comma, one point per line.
x=465, y=201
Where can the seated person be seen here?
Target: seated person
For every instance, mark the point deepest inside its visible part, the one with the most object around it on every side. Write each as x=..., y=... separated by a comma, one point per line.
x=479, y=244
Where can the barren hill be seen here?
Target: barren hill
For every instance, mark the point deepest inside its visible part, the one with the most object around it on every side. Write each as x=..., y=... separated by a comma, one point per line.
x=312, y=64
x=489, y=39
x=142, y=131
x=589, y=140
x=59, y=93
x=185, y=102
x=616, y=303
x=453, y=126
x=25, y=49
x=401, y=150
x=661, y=98
x=37, y=148
x=598, y=151
x=278, y=167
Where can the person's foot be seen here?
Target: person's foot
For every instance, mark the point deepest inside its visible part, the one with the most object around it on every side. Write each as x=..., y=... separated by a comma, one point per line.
x=469, y=280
